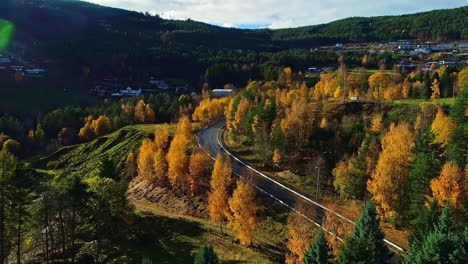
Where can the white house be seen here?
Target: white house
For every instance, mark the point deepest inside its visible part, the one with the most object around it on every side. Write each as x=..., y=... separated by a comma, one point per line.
x=222, y=92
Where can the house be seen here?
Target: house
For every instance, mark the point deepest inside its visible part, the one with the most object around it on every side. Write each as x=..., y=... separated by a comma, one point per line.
x=162, y=85
x=130, y=92
x=34, y=72
x=5, y=60
x=426, y=51
x=406, y=47
x=222, y=92
x=355, y=98
x=182, y=88
x=313, y=71
x=17, y=68
x=463, y=45
x=338, y=45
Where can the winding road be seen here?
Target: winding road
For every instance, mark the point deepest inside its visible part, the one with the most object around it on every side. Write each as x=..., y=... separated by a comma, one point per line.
x=211, y=140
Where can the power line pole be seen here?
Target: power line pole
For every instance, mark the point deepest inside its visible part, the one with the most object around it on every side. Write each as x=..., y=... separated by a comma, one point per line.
x=318, y=181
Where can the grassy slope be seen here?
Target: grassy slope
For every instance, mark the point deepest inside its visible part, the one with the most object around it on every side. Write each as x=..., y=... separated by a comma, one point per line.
x=171, y=238
x=179, y=237
x=83, y=159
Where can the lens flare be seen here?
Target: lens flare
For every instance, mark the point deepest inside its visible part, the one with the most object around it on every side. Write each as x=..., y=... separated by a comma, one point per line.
x=6, y=31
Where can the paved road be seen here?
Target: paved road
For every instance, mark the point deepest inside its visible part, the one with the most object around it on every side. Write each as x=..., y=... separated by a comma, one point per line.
x=211, y=141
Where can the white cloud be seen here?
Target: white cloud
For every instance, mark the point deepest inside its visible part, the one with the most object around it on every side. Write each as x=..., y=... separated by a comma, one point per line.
x=277, y=13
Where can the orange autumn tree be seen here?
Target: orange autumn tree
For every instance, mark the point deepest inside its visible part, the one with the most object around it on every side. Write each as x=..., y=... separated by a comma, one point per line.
x=144, y=113
x=176, y=160
x=87, y=131
x=161, y=137
x=388, y=181
x=160, y=165
x=300, y=233
x=218, y=197
x=435, y=89
x=378, y=82
x=242, y=109
x=298, y=122
x=451, y=185
x=243, y=218
x=377, y=123
x=198, y=169
x=184, y=127
x=442, y=127
x=145, y=159
x=102, y=126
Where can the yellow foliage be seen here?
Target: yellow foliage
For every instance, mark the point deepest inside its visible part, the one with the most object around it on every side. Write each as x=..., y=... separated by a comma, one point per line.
x=145, y=159
x=242, y=109
x=393, y=92
x=338, y=92
x=463, y=79
x=218, y=197
x=378, y=82
x=388, y=181
x=198, y=168
x=435, y=89
x=324, y=123
x=177, y=161
x=276, y=157
x=143, y=113
x=184, y=127
x=442, y=127
x=406, y=88
x=102, y=126
x=377, y=123
x=161, y=137
x=210, y=109
x=87, y=131
x=160, y=165
x=288, y=76
x=300, y=233
x=243, y=218
x=298, y=122
x=452, y=185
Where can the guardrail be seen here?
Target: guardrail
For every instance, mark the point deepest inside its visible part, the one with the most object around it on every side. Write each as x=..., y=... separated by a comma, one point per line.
x=218, y=138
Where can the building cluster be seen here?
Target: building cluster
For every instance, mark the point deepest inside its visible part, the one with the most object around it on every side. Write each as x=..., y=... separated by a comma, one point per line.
x=426, y=48
x=110, y=86
x=7, y=64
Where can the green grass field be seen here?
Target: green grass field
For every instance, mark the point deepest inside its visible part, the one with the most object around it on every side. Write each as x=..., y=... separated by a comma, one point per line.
x=177, y=239
x=447, y=101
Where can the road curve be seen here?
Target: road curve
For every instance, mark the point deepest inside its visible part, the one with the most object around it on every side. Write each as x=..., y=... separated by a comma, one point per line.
x=211, y=140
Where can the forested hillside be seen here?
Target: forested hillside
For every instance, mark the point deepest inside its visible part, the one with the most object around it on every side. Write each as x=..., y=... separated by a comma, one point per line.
x=72, y=35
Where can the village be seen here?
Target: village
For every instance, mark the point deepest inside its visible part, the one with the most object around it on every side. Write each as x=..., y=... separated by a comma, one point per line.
x=406, y=55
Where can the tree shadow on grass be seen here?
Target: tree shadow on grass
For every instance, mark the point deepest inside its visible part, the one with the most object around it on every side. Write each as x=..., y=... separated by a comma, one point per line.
x=166, y=240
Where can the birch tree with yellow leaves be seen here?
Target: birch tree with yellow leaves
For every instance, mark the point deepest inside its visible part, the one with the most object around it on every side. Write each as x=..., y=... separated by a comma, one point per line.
x=244, y=209
x=218, y=208
x=387, y=183
x=451, y=185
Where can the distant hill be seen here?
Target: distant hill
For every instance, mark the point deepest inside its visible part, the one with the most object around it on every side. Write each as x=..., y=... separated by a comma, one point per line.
x=75, y=34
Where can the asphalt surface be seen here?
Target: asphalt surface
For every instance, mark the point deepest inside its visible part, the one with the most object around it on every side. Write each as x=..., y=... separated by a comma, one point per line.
x=211, y=140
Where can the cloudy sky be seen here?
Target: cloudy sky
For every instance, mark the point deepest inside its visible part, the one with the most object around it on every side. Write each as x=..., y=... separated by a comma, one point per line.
x=277, y=13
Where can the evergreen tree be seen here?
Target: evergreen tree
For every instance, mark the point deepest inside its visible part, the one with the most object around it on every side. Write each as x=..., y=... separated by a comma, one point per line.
x=423, y=224
x=458, y=147
x=423, y=170
x=107, y=169
x=319, y=252
x=206, y=256
x=8, y=165
x=443, y=245
x=365, y=245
